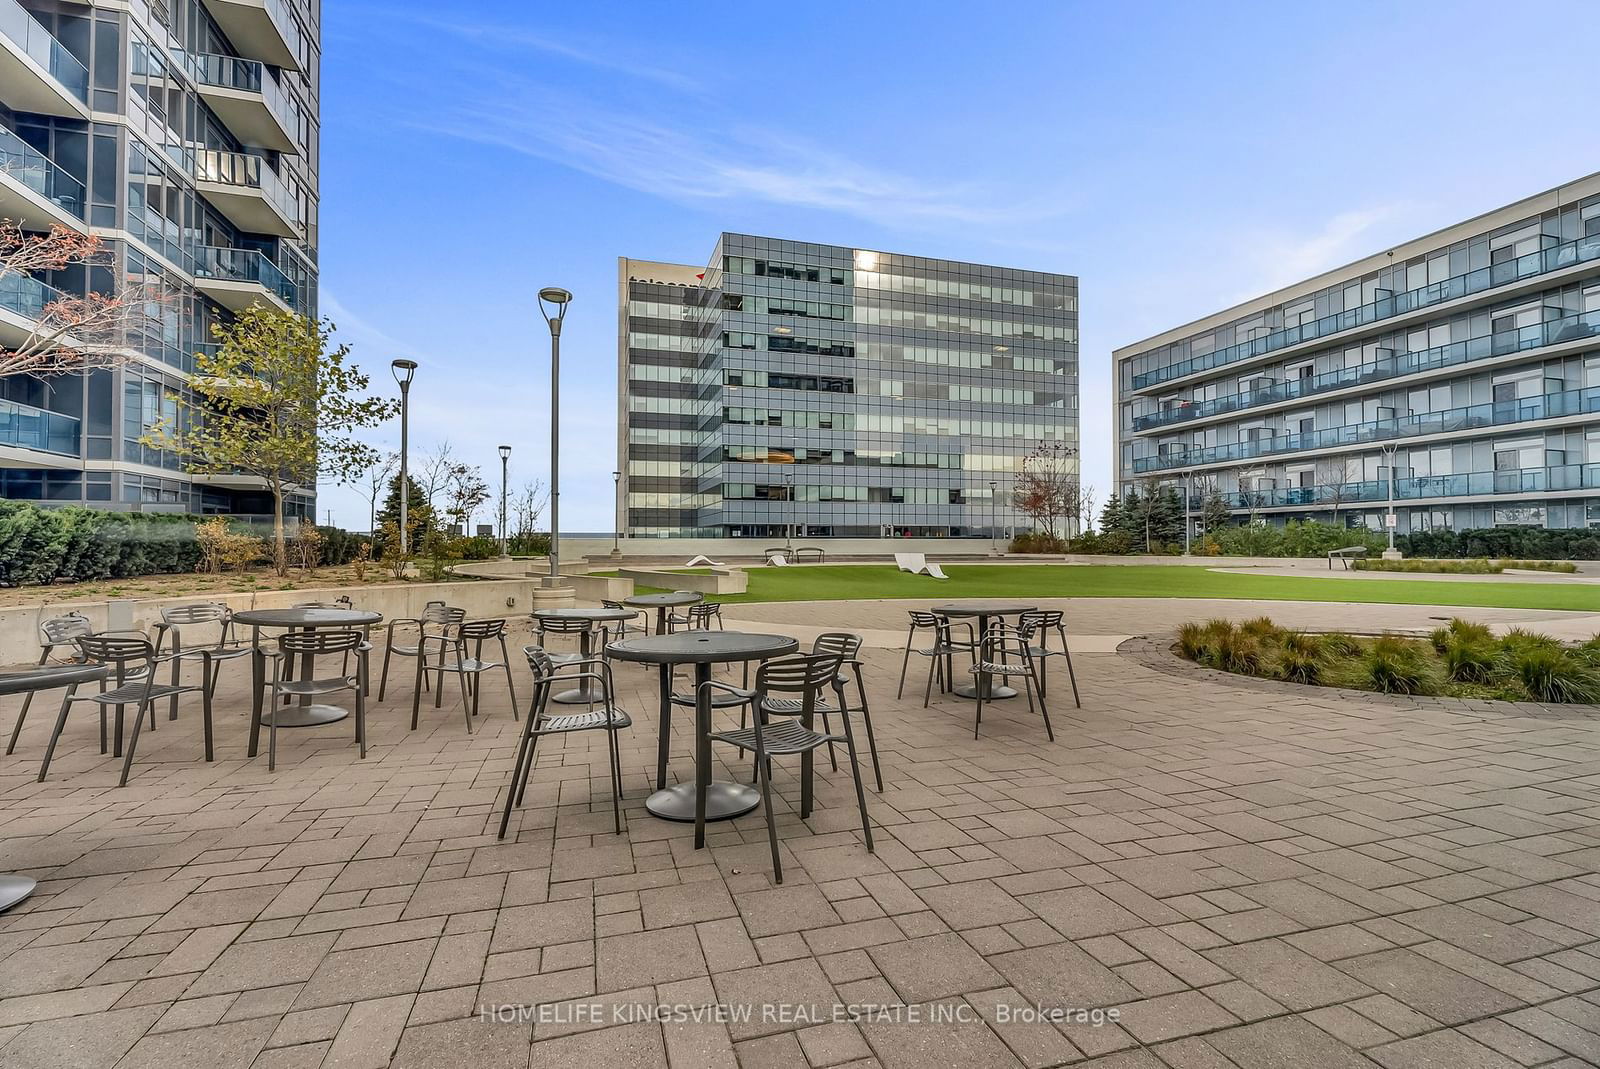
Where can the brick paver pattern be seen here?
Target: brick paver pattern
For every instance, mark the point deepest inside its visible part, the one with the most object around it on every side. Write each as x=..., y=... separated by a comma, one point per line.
x=1247, y=880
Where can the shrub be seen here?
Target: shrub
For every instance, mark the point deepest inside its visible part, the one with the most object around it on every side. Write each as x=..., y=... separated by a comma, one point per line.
x=1300, y=658
x=1339, y=644
x=221, y=547
x=1235, y=651
x=1466, y=661
x=1506, y=543
x=1038, y=542
x=1261, y=627
x=528, y=545
x=1516, y=640
x=1439, y=567
x=1441, y=638
x=1394, y=666
x=478, y=547
x=1551, y=675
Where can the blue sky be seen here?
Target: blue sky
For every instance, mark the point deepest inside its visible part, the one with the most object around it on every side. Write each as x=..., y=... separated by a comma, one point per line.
x=1176, y=157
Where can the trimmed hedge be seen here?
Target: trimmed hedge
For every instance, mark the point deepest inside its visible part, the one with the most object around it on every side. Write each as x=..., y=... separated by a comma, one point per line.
x=73, y=544
x=1519, y=543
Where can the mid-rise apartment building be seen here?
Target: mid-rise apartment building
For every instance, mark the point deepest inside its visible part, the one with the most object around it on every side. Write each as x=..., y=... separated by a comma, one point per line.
x=825, y=391
x=1464, y=364
x=184, y=134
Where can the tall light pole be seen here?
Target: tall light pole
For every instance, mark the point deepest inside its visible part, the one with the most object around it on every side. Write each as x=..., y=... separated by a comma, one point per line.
x=788, y=528
x=1388, y=521
x=994, y=522
x=553, y=303
x=505, y=465
x=404, y=372
x=616, y=499
x=1187, y=523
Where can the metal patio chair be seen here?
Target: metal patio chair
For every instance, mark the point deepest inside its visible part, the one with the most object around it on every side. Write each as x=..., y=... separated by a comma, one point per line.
x=1039, y=623
x=941, y=654
x=779, y=728
x=188, y=619
x=59, y=633
x=697, y=617
x=1005, y=652
x=133, y=661
x=432, y=633
x=309, y=645
x=603, y=716
x=469, y=670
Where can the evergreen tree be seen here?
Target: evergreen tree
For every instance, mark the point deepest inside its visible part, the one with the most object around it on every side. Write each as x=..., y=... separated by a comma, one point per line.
x=1166, y=518
x=1214, y=513
x=1111, y=515
x=418, y=515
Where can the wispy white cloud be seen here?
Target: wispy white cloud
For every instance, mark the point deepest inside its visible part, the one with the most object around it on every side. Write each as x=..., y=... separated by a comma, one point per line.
x=1280, y=258
x=703, y=161
x=370, y=342
x=601, y=55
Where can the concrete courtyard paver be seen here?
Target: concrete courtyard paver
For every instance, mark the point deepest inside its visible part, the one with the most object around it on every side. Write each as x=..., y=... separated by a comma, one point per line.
x=1248, y=879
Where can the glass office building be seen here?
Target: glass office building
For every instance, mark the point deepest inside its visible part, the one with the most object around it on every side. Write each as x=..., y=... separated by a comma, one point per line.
x=1464, y=366
x=833, y=392
x=184, y=134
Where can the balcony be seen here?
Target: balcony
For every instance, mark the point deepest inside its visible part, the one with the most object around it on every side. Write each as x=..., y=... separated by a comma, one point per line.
x=1556, y=479
x=1467, y=418
x=26, y=427
x=33, y=190
x=1556, y=332
x=1543, y=262
x=249, y=192
x=22, y=302
x=260, y=29
x=239, y=278
x=37, y=72
x=246, y=98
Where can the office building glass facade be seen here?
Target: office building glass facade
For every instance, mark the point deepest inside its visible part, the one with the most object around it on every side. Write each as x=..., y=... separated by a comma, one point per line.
x=824, y=391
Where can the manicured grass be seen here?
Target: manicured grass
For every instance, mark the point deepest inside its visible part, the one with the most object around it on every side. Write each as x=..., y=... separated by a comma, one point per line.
x=1024, y=581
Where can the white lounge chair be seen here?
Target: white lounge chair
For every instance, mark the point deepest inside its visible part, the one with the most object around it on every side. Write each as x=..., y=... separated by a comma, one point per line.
x=777, y=560
x=917, y=564
x=701, y=559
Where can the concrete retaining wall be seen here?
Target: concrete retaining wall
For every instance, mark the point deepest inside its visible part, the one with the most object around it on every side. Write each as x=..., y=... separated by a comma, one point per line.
x=720, y=581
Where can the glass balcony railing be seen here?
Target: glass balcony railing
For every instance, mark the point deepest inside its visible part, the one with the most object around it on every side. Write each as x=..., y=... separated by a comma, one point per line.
x=27, y=427
x=246, y=75
x=1470, y=417
x=26, y=296
x=1558, y=478
x=1545, y=261
x=247, y=171
x=244, y=265
x=29, y=34
x=26, y=164
x=1568, y=328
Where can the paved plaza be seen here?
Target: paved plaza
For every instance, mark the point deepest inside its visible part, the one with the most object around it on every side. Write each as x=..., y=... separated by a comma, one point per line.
x=1245, y=878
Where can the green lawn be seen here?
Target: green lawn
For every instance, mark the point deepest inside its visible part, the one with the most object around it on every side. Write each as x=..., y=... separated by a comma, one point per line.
x=1023, y=581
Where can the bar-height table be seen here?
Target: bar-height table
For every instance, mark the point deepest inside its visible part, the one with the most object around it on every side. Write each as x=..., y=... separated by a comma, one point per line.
x=983, y=610
x=14, y=889
x=723, y=801
x=305, y=714
x=584, y=693
x=663, y=604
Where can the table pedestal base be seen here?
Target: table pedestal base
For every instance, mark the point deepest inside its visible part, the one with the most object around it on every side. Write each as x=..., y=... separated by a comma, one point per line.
x=304, y=716
x=14, y=889
x=996, y=691
x=724, y=801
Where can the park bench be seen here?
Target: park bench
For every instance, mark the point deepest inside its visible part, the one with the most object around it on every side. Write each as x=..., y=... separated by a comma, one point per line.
x=812, y=553
x=1347, y=554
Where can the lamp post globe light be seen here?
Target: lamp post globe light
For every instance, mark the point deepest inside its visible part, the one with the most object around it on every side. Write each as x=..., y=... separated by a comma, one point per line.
x=788, y=528
x=505, y=463
x=1391, y=553
x=553, y=302
x=404, y=372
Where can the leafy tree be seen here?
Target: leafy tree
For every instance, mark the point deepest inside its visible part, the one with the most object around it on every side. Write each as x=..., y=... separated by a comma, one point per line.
x=278, y=403
x=1214, y=512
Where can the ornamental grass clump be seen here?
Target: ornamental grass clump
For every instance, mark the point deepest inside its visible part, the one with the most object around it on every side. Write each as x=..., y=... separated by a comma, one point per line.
x=1395, y=666
x=1235, y=651
x=1552, y=675
x=1300, y=658
x=1467, y=661
x=1339, y=644
x=1261, y=628
x=1469, y=631
x=1194, y=641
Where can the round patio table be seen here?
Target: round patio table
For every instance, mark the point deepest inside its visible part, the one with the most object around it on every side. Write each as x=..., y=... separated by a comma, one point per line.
x=14, y=889
x=983, y=610
x=723, y=801
x=305, y=618
x=664, y=603
x=584, y=694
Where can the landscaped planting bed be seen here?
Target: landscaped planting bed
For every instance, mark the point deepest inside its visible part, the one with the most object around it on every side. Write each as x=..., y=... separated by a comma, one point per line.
x=1461, y=660
x=1477, y=566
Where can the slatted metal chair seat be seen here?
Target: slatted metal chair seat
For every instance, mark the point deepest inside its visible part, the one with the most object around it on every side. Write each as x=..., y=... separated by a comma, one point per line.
x=136, y=691
x=778, y=737
x=594, y=719
x=1000, y=668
